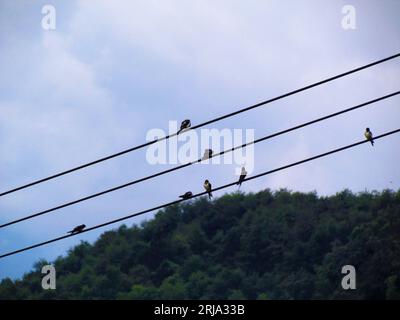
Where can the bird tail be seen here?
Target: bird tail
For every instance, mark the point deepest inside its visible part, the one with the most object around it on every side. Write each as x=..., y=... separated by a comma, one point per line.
x=71, y=232
x=210, y=195
x=372, y=142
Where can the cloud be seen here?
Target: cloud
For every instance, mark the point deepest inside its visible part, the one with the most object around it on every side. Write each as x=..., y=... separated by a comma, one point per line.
x=114, y=70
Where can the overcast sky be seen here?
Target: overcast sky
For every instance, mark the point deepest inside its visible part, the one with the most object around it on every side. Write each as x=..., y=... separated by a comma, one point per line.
x=113, y=70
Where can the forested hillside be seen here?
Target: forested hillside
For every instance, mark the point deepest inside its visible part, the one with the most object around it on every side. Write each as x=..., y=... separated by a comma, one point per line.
x=268, y=245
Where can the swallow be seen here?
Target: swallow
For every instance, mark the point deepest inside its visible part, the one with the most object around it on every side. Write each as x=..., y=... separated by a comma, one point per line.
x=77, y=229
x=242, y=176
x=208, y=187
x=184, y=125
x=186, y=195
x=207, y=154
x=368, y=135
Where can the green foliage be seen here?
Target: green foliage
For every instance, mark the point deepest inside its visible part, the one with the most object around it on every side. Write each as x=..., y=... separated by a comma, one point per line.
x=267, y=245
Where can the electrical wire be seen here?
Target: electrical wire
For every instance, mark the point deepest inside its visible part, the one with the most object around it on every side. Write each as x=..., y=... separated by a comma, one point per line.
x=198, y=194
x=67, y=204
x=62, y=173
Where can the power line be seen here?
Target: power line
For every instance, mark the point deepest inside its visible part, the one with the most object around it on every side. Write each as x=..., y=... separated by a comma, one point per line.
x=67, y=204
x=198, y=194
x=197, y=126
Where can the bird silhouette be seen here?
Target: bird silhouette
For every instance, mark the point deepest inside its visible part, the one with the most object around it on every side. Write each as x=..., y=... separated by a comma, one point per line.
x=368, y=135
x=77, y=229
x=184, y=125
x=207, y=154
x=242, y=176
x=208, y=187
x=186, y=195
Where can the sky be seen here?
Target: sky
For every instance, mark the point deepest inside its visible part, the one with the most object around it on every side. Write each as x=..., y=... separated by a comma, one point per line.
x=111, y=71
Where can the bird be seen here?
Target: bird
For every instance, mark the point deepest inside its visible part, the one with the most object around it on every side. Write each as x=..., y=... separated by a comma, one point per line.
x=184, y=125
x=368, y=135
x=186, y=195
x=242, y=176
x=208, y=187
x=207, y=154
x=77, y=229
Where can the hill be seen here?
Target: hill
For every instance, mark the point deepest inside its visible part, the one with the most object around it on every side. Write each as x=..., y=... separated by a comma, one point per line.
x=267, y=245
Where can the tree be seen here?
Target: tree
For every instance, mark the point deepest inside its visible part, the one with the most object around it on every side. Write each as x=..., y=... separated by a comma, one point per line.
x=266, y=245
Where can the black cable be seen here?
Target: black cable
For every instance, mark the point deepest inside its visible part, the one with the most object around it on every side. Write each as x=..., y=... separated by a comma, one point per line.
x=196, y=161
x=198, y=194
x=197, y=126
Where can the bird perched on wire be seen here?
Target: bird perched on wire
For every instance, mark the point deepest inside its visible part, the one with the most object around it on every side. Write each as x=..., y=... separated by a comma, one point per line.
x=184, y=125
x=368, y=135
x=207, y=154
x=242, y=176
x=186, y=195
x=77, y=229
x=208, y=187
